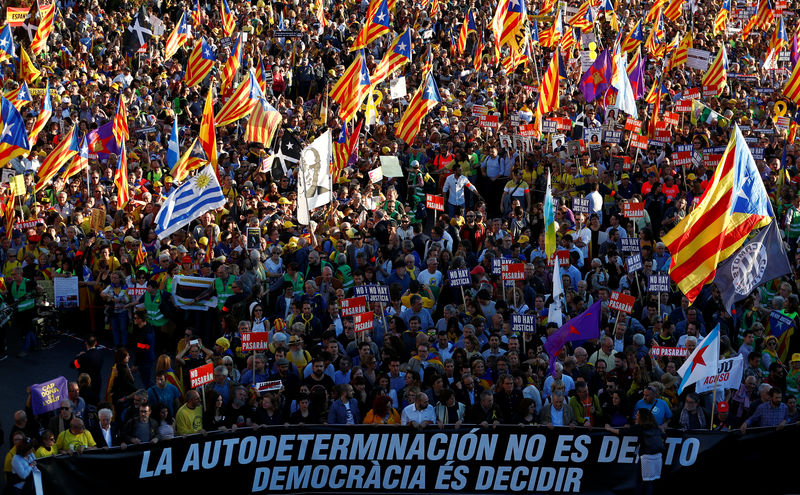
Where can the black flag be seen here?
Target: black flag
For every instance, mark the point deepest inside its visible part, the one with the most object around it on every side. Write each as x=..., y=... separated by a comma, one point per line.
x=138, y=33
x=287, y=156
x=758, y=261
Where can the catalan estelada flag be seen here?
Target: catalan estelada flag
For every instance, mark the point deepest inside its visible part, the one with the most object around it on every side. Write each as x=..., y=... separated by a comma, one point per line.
x=477, y=60
x=734, y=204
x=634, y=39
x=27, y=71
x=177, y=38
x=80, y=161
x=14, y=137
x=60, y=156
x=208, y=132
x=375, y=26
x=721, y=21
x=264, y=119
x=655, y=11
x=228, y=18
x=20, y=96
x=426, y=97
x=43, y=117
x=45, y=28
x=8, y=49
x=187, y=163
x=231, y=67
x=468, y=27
x=342, y=150
x=201, y=61
x=398, y=54
x=580, y=20
x=121, y=178
x=779, y=38
x=350, y=90
x=717, y=73
x=120, y=126
x=241, y=102
x=513, y=24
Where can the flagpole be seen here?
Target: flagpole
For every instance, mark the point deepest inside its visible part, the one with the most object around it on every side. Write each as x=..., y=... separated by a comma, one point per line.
x=713, y=399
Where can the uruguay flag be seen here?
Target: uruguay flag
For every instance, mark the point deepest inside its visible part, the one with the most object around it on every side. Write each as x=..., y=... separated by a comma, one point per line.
x=173, y=149
x=198, y=195
x=702, y=362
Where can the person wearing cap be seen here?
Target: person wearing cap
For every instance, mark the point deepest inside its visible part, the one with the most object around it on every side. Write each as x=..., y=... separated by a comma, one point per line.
x=31, y=247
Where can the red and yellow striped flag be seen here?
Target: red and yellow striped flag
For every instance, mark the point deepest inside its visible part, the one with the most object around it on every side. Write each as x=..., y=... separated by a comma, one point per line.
x=208, y=132
x=375, y=26
x=398, y=54
x=27, y=71
x=228, y=18
x=721, y=21
x=121, y=178
x=729, y=210
x=45, y=28
x=201, y=61
x=717, y=74
x=9, y=213
x=343, y=148
x=61, y=154
x=120, y=126
x=673, y=10
x=792, y=88
x=426, y=97
x=760, y=21
x=655, y=11
x=141, y=255
x=187, y=163
x=263, y=124
x=350, y=90
x=231, y=68
x=548, y=90
x=43, y=117
x=240, y=104
x=681, y=54
x=177, y=38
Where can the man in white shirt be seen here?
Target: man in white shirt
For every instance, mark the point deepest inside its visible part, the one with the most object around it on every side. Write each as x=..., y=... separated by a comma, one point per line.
x=454, y=186
x=419, y=414
x=431, y=277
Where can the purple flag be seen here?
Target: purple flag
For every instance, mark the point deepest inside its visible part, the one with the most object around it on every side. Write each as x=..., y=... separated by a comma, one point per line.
x=597, y=79
x=47, y=396
x=585, y=326
x=101, y=141
x=795, y=56
x=637, y=79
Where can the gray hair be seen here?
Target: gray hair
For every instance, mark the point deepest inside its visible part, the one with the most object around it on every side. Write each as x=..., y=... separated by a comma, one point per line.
x=638, y=339
x=222, y=370
x=105, y=412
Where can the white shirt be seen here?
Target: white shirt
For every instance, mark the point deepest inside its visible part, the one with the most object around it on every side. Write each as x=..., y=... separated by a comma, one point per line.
x=430, y=279
x=455, y=186
x=410, y=413
x=107, y=435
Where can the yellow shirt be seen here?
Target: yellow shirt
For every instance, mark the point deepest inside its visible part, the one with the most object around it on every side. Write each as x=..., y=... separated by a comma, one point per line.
x=426, y=302
x=43, y=452
x=188, y=421
x=66, y=439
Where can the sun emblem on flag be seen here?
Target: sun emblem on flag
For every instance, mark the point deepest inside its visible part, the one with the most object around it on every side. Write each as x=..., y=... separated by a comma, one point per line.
x=202, y=181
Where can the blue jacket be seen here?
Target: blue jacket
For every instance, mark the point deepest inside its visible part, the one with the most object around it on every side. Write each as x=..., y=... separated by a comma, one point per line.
x=338, y=414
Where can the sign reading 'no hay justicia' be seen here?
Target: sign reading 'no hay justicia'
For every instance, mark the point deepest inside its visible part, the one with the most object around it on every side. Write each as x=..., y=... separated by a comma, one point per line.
x=367, y=459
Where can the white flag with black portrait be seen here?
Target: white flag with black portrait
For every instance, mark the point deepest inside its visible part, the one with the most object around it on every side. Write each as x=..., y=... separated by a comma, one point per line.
x=314, y=178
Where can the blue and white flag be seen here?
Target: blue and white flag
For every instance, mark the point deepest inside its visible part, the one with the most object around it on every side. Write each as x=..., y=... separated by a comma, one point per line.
x=198, y=195
x=173, y=149
x=702, y=362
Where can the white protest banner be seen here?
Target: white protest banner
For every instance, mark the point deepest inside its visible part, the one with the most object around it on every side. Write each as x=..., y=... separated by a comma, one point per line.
x=66, y=292
x=698, y=59
x=390, y=166
x=397, y=88
x=729, y=375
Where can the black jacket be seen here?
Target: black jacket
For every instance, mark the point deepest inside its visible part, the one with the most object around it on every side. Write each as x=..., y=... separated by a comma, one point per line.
x=129, y=431
x=100, y=440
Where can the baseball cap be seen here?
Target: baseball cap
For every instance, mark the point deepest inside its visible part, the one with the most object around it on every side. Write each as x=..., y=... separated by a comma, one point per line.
x=478, y=270
x=723, y=407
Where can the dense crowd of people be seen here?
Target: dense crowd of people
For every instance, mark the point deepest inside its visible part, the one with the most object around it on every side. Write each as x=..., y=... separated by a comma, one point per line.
x=435, y=354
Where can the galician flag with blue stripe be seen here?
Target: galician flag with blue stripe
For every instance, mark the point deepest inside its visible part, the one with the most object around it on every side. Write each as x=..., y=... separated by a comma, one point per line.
x=198, y=195
x=702, y=362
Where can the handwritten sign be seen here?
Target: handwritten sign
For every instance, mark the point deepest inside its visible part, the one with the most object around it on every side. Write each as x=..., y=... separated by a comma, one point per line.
x=363, y=322
x=433, y=202
x=47, y=396
x=255, y=341
x=523, y=323
x=201, y=375
x=633, y=210
x=460, y=277
x=621, y=302
x=354, y=306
